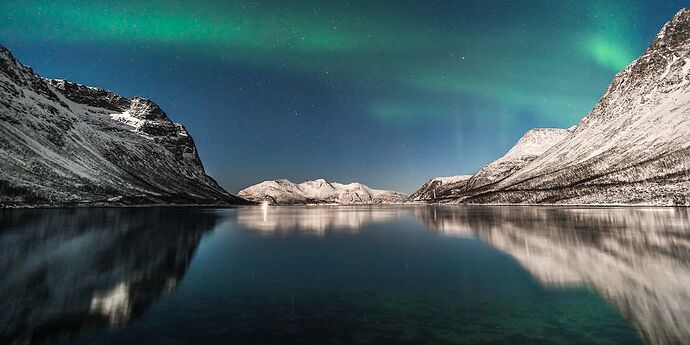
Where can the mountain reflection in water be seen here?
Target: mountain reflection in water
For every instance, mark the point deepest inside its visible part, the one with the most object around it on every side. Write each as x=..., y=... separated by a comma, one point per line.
x=64, y=271
x=315, y=220
x=637, y=258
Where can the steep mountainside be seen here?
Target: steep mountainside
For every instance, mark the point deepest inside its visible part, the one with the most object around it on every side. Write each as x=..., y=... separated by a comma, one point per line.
x=532, y=144
x=65, y=144
x=284, y=192
x=632, y=148
x=439, y=187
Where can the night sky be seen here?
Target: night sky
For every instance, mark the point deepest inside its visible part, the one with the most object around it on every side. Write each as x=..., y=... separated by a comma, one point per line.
x=387, y=93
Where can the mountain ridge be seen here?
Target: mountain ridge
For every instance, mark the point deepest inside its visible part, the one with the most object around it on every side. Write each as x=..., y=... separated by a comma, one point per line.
x=68, y=144
x=319, y=191
x=633, y=148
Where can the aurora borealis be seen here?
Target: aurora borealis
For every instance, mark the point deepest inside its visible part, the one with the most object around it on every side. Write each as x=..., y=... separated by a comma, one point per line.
x=387, y=93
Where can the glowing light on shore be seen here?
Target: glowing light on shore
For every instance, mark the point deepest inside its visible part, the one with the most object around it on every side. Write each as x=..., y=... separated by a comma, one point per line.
x=264, y=210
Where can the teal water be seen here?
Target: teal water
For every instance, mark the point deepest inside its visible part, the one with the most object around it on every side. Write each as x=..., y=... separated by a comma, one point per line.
x=345, y=275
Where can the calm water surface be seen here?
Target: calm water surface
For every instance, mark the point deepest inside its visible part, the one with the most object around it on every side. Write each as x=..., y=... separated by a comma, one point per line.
x=346, y=275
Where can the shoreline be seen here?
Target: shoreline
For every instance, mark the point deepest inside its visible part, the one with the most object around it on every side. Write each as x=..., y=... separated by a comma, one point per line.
x=52, y=207
x=220, y=206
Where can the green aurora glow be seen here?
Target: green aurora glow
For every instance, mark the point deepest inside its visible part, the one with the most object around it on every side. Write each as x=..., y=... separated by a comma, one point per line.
x=462, y=59
x=293, y=82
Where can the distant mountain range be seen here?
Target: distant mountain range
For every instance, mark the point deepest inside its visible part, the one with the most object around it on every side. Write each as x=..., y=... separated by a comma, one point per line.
x=632, y=148
x=284, y=192
x=66, y=144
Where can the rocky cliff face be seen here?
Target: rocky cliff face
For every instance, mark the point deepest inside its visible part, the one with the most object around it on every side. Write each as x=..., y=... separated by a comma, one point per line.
x=284, y=192
x=65, y=144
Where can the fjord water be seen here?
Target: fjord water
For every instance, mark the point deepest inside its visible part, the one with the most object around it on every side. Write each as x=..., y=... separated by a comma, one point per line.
x=346, y=275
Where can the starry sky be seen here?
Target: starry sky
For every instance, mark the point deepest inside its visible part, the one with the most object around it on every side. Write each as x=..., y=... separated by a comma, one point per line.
x=387, y=93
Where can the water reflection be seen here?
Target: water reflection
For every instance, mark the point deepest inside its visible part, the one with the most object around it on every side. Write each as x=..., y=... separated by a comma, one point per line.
x=317, y=220
x=64, y=271
x=639, y=259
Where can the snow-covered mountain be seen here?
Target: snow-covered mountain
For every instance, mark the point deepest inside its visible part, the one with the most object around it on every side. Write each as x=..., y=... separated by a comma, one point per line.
x=320, y=191
x=439, y=187
x=632, y=148
x=532, y=144
x=66, y=144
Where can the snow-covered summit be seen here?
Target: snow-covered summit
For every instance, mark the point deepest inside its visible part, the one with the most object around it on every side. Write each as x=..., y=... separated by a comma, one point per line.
x=530, y=146
x=63, y=143
x=632, y=148
x=320, y=191
x=535, y=142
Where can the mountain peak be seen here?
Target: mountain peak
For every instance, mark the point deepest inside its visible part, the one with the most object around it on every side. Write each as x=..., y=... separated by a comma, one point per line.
x=146, y=109
x=105, y=149
x=317, y=182
x=535, y=142
x=318, y=191
x=682, y=14
x=4, y=52
x=632, y=148
x=661, y=69
x=675, y=33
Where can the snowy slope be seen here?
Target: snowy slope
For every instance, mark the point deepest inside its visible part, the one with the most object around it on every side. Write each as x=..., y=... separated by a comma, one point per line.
x=320, y=191
x=632, y=148
x=64, y=144
x=438, y=187
x=532, y=144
